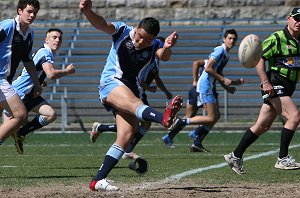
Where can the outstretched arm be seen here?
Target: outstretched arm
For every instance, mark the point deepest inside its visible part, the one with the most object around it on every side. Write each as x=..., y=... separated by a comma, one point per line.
x=165, y=53
x=96, y=20
x=53, y=73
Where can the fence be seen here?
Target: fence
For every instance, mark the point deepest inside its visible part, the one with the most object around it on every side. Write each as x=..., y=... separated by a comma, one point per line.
x=76, y=96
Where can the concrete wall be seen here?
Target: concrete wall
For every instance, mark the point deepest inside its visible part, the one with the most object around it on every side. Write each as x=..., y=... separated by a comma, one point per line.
x=161, y=9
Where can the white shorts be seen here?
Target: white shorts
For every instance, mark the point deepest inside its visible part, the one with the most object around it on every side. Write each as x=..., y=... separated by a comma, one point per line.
x=6, y=90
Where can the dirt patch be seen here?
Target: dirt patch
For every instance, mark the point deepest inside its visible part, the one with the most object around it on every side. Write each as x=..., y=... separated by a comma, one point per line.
x=187, y=188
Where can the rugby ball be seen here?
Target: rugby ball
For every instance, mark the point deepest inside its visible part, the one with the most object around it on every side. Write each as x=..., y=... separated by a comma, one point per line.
x=250, y=51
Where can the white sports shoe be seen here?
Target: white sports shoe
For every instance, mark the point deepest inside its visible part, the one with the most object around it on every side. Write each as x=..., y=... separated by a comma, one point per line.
x=235, y=163
x=287, y=163
x=94, y=134
x=102, y=184
x=131, y=155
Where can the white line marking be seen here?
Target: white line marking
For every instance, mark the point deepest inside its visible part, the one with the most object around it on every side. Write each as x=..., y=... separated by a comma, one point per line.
x=195, y=171
x=179, y=176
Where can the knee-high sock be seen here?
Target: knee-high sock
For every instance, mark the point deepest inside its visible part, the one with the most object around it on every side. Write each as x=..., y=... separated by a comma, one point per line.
x=248, y=138
x=179, y=125
x=201, y=132
x=111, y=158
x=137, y=137
x=286, y=138
x=146, y=113
x=105, y=127
x=36, y=123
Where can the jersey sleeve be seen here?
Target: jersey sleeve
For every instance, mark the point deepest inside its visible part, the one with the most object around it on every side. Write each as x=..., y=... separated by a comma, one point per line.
x=269, y=47
x=217, y=53
x=5, y=27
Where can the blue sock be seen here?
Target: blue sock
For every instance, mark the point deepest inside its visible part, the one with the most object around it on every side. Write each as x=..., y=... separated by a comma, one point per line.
x=1, y=142
x=111, y=158
x=146, y=113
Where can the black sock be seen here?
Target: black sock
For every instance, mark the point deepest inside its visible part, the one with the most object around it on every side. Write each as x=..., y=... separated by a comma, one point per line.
x=105, y=127
x=136, y=138
x=179, y=125
x=35, y=123
x=286, y=138
x=202, y=131
x=248, y=138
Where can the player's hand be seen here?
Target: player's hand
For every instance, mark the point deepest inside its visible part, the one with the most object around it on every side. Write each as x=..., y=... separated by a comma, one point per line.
x=267, y=88
x=240, y=81
x=71, y=69
x=227, y=82
x=37, y=91
x=194, y=83
x=85, y=5
x=171, y=40
x=231, y=90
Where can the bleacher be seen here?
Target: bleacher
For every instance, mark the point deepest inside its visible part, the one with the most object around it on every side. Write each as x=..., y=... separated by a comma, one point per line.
x=87, y=49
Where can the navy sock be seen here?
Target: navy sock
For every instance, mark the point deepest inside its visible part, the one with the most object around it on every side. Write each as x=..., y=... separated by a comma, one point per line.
x=105, y=127
x=111, y=158
x=136, y=138
x=202, y=131
x=146, y=113
x=248, y=138
x=286, y=138
x=36, y=123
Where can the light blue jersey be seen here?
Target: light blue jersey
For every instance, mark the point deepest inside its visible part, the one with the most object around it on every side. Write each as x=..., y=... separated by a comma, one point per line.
x=206, y=83
x=124, y=61
x=23, y=84
x=14, y=47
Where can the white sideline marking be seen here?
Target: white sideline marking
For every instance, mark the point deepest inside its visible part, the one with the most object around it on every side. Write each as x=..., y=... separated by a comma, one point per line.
x=198, y=170
x=174, y=178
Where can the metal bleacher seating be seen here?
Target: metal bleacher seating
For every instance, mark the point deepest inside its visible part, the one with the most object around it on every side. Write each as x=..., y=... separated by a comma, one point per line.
x=87, y=49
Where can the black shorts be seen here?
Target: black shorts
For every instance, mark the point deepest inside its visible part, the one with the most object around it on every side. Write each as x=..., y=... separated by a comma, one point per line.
x=281, y=85
x=193, y=96
x=31, y=102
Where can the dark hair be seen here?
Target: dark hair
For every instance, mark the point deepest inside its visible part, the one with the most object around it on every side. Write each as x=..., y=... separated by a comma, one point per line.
x=150, y=25
x=54, y=30
x=22, y=4
x=230, y=31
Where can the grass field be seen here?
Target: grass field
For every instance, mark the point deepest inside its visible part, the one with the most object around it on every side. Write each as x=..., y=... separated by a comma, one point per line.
x=71, y=158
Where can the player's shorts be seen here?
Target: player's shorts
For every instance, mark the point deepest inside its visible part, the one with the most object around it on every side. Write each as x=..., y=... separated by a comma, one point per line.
x=108, y=85
x=192, y=96
x=281, y=85
x=30, y=103
x=7, y=90
x=205, y=98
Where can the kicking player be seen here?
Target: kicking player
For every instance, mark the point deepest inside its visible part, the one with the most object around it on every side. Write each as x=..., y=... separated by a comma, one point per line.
x=133, y=48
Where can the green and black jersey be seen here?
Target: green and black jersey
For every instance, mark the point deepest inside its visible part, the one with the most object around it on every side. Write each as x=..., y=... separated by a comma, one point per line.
x=282, y=52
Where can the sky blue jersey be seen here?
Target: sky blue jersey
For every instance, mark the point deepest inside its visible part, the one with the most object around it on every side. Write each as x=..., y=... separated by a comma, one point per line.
x=14, y=47
x=23, y=84
x=206, y=83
